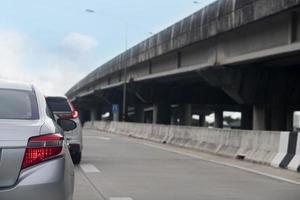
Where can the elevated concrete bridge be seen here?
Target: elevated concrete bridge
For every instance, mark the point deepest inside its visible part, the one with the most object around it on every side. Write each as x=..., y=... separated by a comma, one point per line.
x=233, y=55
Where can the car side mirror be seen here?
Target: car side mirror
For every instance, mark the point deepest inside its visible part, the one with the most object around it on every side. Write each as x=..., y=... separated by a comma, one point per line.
x=66, y=124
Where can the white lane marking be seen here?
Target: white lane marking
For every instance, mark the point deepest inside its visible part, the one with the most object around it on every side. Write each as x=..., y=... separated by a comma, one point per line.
x=223, y=163
x=96, y=190
x=120, y=198
x=98, y=137
x=89, y=168
x=104, y=138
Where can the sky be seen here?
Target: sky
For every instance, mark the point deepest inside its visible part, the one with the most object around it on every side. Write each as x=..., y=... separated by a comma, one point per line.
x=53, y=44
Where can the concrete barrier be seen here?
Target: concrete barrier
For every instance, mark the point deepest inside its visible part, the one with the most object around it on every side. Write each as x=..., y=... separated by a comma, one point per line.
x=295, y=162
x=264, y=147
x=259, y=146
x=256, y=146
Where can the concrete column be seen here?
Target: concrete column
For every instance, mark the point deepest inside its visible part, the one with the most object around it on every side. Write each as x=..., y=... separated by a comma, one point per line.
x=180, y=115
x=201, y=120
x=161, y=114
x=247, y=118
x=259, y=117
x=93, y=113
x=173, y=118
x=87, y=116
x=125, y=115
x=278, y=115
x=218, y=119
x=187, y=115
x=139, y=114
x=289, y=120
x=84, y=116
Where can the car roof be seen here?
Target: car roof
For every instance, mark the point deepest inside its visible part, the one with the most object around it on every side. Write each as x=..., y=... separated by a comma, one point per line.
x=16, y=85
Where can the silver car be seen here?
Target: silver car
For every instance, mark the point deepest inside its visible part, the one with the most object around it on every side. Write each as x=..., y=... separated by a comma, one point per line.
x=63, y=109
x=34, y=160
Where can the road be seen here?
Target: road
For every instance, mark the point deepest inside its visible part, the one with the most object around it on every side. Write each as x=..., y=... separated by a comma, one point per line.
x=119, y=168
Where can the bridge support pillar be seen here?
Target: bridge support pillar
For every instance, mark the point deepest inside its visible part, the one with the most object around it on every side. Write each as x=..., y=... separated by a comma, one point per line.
x=289, y=120
x=247, y=118
x=201, y=120
x=139, y=114
x=95, y=114
x=184, y=115
x=259, y=117
x=271, y=117
x=278, y=121
x=84, y=115
x=187, y=115
x=218, y=119
x=161, y=114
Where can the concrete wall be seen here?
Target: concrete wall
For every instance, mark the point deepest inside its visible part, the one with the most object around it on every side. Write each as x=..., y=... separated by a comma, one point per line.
x=256, y=146
x=166, y=63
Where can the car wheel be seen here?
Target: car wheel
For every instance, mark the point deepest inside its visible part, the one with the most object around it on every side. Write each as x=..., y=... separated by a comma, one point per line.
x=76, y=157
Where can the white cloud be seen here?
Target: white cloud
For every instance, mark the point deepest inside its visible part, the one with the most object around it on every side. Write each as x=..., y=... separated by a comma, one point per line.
x=12, y=53
x=53, y=72
x=79, y=42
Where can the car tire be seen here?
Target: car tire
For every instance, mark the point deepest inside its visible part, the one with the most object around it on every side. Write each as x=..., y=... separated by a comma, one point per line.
x=76, y=157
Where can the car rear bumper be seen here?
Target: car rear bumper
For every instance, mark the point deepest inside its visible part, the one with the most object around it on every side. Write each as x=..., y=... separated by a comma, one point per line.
x=52, y=180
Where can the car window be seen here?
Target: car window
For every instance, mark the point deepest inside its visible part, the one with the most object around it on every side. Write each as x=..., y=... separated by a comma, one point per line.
x=58, y=104
x=49, y=113
x=18, y=104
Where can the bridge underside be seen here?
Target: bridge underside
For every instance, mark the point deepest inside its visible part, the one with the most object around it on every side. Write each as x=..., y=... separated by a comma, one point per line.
x=253, y=69
x=266, y=92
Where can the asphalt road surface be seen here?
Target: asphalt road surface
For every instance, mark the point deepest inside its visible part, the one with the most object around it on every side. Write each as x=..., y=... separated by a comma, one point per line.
x=119, y=168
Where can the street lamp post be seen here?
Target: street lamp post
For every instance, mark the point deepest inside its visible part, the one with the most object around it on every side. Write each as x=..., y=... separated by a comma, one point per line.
x=123, y=62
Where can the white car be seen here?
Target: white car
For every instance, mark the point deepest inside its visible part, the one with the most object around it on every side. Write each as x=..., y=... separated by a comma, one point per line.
x=35, y=162
x=63, y=109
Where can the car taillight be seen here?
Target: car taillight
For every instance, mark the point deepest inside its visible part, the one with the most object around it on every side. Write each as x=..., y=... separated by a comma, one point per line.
x=75, y=114
x=42, y=148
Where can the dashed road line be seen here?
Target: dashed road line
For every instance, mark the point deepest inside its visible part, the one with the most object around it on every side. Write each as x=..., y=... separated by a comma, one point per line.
x=89, y=168
x=96, y=190
x=120, y=198
x=98, y=137
x=104, y=138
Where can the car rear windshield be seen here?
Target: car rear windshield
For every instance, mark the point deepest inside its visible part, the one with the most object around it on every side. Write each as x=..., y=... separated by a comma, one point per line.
x=58, y=104
x=18, y=104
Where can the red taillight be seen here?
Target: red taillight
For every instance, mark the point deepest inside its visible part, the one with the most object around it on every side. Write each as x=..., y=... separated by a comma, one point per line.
x=42, y=148
x=75, y=114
